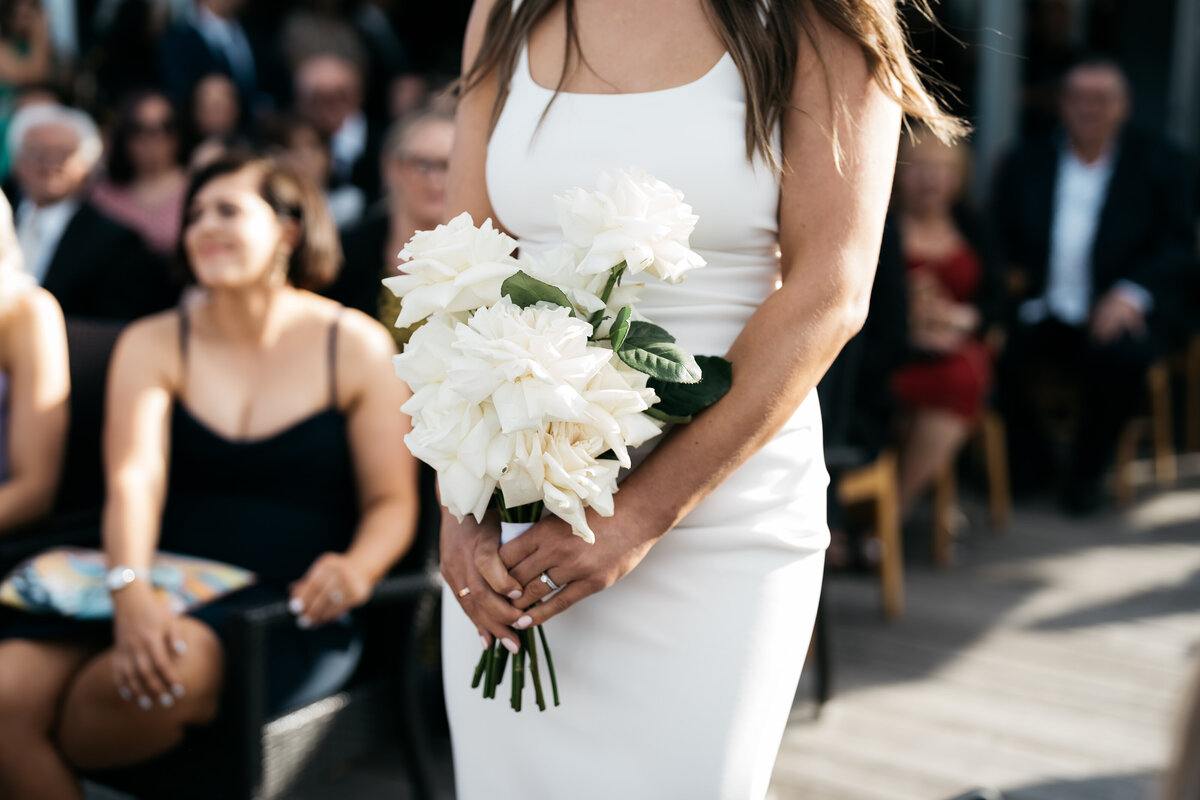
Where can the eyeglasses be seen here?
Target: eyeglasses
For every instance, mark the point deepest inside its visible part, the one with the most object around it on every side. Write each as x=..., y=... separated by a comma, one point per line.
x=50, y=156
x=426, y=167
x=155, y=128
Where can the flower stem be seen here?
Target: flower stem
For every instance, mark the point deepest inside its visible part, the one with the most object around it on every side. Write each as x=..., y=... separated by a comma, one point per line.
x=549, y=663
x=481, y=667
x=518, y=679
x=614, y=279
x=531, y=645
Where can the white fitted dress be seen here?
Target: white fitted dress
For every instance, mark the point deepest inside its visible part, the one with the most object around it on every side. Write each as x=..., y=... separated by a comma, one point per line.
x=676, y=682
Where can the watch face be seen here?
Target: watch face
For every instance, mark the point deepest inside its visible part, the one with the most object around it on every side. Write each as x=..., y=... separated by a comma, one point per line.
x=120, y=577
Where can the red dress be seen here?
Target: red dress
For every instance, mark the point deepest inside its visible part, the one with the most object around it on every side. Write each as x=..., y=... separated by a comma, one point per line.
x=957, y=381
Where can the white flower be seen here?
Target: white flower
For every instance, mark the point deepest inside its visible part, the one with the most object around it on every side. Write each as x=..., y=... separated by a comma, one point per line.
x=560, y=267
x=532, y=363
x=560, y=466
x=632, y=217
x=454, y=267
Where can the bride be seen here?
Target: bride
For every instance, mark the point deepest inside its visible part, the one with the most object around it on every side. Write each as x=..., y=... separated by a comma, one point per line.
x=679, y=636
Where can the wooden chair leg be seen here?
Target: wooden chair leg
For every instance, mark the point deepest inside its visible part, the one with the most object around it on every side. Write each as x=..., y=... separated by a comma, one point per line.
x=1123, y=466
x=887, y=520
x=995, y=450
x=1159, y=384
x=944, y=493
x=1192, y=394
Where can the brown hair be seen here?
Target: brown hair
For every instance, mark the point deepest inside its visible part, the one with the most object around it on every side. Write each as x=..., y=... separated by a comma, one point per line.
x=761, y=37
x=317, y=256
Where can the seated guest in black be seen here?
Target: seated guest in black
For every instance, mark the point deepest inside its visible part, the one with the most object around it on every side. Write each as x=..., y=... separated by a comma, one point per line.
x=258, y=426
x=94, y=266
x=1097, y=224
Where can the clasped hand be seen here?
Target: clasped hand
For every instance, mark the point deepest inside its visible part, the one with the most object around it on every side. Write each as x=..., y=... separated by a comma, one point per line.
x=500, y=588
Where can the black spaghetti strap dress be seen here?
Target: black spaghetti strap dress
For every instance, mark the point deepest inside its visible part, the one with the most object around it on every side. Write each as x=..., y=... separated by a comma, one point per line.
x=271, y=505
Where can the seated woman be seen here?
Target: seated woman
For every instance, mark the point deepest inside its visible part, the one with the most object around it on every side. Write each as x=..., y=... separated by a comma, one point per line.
x=34, y=386
x=144, y=178
x=945, y=382
x=258, y=426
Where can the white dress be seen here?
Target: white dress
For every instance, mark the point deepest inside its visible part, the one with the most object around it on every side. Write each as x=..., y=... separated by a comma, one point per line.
x=676, y=682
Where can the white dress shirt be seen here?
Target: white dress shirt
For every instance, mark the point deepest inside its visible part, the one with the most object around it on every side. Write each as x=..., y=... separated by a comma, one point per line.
x=347, y=145
x=1081, y=190
x=39, y=231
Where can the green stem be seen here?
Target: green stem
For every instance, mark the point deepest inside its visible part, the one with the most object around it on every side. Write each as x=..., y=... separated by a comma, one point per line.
x=531, y=645
x=480, y=667
x=549, y=663
x=518, y=680
x=501, y=663
x=614, y=279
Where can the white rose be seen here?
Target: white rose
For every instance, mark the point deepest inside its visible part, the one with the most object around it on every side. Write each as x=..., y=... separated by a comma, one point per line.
x=631, y=217
x=560, y=466
x=532, y=363
x=454, y=267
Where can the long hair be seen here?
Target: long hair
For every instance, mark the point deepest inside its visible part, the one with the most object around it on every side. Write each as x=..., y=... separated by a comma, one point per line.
x=761, y=37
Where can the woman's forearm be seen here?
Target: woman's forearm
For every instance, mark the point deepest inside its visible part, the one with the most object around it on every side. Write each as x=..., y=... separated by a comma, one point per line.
x=130, y=525
x=777, y=360
x=385, y=533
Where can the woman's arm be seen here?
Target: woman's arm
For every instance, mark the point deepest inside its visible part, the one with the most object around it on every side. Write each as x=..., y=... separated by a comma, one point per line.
x=386, y=473
x=37, y=426
x=20, y=69
x=831, y=222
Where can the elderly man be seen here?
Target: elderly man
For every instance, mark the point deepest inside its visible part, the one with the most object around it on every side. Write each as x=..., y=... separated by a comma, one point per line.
x=1097, y=227
x=329, y=94
x=91, y=264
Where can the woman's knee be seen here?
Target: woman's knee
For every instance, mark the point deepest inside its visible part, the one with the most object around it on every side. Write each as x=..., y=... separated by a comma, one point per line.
x=33, y=678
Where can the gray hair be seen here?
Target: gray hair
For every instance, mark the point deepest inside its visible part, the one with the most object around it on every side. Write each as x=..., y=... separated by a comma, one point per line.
x=91, y=147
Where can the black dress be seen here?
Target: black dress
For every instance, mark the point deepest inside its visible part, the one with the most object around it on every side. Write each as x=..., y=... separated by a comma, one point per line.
x=271, y=505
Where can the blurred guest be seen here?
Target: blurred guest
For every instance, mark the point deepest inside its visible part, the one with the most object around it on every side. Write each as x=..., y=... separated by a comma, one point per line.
x=295, y=140
x=416, y=154
x=945, y=380
x=210, y=39
x=329, y=94
x=25, y=59
x=213, y=108
x=93, y=265
x=128, y=50
x=1052, y=50
x=1097, y=225
x=144, y=183
x=33, y=388
x=253, y=428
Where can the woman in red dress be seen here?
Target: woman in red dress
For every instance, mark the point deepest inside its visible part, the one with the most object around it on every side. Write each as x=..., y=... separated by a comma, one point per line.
x=945, y=383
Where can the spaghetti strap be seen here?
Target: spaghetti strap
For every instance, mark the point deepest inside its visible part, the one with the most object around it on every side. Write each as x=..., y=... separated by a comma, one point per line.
x=333, y=329
x=183, y=349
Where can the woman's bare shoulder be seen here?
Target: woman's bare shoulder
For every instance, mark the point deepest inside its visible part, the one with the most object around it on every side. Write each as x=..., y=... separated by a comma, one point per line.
x=151, y=342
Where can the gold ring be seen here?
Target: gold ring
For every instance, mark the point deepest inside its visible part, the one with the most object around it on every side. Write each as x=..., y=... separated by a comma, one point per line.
x=463, y=592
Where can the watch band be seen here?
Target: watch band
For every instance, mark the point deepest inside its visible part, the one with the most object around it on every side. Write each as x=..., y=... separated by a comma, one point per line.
x=121, y=576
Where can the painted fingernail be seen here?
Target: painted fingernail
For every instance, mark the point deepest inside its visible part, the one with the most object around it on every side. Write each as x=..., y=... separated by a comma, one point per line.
x=515, y=594
x=124, y=693
x=177, y=690
x=145, y=703
x=523, y=623
x=166, y=700
x=180, y=646
x=304, y=622
x=296, y=605
x=483, y=641
x=510, y=646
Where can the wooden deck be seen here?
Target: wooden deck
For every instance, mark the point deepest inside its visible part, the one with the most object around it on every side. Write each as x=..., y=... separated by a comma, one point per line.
x=1049, y=664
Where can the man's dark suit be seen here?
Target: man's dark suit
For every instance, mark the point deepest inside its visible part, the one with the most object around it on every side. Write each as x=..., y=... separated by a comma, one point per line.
x=101, y=269
x=1146, y=235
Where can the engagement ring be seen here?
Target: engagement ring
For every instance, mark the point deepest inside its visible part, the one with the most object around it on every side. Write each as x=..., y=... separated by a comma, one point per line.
x=554, y=587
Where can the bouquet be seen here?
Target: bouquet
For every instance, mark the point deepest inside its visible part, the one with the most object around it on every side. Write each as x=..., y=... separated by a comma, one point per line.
x=533, y=377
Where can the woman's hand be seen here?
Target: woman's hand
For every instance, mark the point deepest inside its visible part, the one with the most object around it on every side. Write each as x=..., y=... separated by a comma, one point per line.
x=147, y=644
x=333, y=585
x=581, y=569
x=473, y=570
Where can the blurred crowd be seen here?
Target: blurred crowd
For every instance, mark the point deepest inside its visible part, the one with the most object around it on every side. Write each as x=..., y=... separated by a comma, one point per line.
x=124, y=133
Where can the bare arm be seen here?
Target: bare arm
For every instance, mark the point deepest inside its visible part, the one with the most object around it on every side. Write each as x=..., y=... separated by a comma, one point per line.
x=831, y=223
x=37, y=427
x=385, y=470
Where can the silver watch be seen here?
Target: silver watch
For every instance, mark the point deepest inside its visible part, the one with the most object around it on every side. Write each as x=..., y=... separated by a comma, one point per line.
x=121, y=576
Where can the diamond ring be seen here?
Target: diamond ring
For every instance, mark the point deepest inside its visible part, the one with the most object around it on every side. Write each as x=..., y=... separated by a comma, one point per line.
x=554, y=587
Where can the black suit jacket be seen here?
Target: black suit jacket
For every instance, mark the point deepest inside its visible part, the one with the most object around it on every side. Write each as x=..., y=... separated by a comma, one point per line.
x=101, y=269
x=1147, y=228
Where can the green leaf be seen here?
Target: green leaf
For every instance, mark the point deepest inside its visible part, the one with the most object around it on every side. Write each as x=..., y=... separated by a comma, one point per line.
x=684, y=400
x=525, y=290
x=648, y=330
x=666, y=361
x=620, y=327
x=664, y=417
